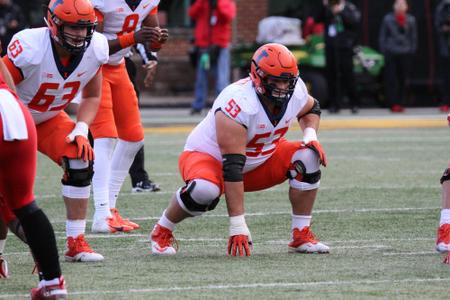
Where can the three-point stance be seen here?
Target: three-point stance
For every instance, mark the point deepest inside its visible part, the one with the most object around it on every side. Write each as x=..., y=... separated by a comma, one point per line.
x=239, y=147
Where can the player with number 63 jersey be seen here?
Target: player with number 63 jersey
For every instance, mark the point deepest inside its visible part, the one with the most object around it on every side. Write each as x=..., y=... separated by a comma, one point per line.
x=50, y=67
x=240, y=147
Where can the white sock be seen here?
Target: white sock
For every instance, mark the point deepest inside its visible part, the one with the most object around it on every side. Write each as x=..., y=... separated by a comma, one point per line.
x=122, y=159
x=445, y=216
x=54, y=281
x=300, y=221
x=75, y=227
x=103, y=149
x=164, y=222
x=2, y=245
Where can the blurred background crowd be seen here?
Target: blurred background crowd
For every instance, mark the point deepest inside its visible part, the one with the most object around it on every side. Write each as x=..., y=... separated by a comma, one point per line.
x=352, y=54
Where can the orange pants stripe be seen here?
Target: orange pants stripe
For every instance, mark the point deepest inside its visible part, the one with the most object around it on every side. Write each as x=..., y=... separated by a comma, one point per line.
x=199, y=165
x=118, y=114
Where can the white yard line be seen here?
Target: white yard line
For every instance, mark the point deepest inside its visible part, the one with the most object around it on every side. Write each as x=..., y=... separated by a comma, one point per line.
x=411, y=253
x=264, y=285
x=274, y=213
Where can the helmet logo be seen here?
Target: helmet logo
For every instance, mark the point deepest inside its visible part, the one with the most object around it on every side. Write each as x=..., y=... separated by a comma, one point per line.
x=261, y=56
x=57, y=2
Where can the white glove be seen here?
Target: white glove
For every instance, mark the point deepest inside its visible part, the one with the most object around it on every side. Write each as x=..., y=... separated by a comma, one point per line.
x=81, y=128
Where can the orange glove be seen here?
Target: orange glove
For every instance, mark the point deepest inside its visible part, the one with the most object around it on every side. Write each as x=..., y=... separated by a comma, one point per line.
x=239, y=244
x=310, y=141
x=240, y=240
x=317, y=147
x=79, y=137
x=85, y=150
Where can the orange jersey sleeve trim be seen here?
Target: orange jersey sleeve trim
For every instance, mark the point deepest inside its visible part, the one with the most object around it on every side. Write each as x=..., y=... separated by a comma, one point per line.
x=99, y=15
x=16, y=72
x=154, y=11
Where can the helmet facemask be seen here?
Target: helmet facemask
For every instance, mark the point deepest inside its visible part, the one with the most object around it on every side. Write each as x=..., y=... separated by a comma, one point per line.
x=270, y=91
x=74, y=44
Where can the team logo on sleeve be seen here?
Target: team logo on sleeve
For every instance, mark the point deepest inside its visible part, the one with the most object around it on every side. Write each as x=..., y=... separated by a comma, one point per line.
x=233, y=108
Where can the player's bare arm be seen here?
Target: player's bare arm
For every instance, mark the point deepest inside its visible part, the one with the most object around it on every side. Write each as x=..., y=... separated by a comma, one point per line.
x=90, y=100
x=309, y=119
x=232, y=138
x=86, y=113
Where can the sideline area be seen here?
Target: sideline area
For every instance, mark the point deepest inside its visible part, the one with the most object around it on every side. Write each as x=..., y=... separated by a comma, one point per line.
x=178, y=120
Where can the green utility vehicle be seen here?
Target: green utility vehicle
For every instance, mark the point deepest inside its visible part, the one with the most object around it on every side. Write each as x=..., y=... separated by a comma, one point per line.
x=368, y=65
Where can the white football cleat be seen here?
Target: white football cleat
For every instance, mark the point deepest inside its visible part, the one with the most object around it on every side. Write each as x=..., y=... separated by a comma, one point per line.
x=304, y=241
x=162, y=241
x=443, y=238
x=78, y=250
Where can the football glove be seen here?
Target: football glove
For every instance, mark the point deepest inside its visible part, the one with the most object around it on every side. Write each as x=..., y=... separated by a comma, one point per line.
x=310, y=141
x=240, y=240
x=79, y=137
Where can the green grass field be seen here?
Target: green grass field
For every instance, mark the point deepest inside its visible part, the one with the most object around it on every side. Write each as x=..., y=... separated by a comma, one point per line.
x=378, y=209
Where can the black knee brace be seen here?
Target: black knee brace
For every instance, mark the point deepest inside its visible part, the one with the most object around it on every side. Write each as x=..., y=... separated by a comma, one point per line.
x=297, y=171
x=185, y=196
x=77, y=177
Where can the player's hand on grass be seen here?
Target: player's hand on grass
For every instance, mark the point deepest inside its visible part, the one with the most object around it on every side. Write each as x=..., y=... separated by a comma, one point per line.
x=240, y=240
x=79, y=137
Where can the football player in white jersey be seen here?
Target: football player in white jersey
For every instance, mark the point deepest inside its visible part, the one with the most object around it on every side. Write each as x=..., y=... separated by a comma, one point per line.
x=443, y=234
x=117, y=129
x=51, y=66
x=240, y=147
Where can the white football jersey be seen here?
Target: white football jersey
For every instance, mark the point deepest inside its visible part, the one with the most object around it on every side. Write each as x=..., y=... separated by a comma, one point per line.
x=11, y=117
x=48, y=86
x=240, y=102
x=119, y=18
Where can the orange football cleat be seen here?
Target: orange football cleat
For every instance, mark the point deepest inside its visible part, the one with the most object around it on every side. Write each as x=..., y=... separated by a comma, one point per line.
x=163, y=241
x=304, y=241
x=124, y=222
x=79, y=250
x=443, y=238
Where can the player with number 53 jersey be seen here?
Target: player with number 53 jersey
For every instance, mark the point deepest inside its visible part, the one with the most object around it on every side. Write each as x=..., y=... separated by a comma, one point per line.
x=240, y=147
x=50, y=67
x=124, y=23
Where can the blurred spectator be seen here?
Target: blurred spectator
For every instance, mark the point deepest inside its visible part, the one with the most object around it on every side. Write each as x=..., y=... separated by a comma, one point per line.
x=212, y=37
x=397, y=41
x=341, y=20
x=442, y=23
x=12, y=21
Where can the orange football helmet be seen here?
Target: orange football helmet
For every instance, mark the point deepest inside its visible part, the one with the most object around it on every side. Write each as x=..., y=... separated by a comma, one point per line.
x=75, y=14
x=274, y=61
